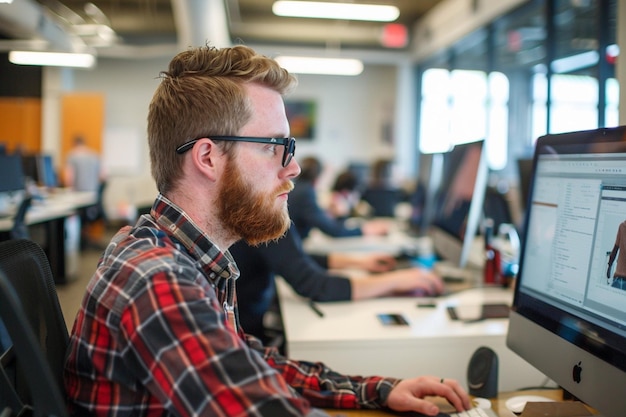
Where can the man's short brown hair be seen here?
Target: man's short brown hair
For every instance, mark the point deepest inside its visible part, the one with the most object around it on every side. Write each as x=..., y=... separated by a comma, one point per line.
x=202, y=94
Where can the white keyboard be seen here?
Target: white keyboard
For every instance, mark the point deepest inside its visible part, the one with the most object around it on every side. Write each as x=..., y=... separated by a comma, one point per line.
x=475, y=412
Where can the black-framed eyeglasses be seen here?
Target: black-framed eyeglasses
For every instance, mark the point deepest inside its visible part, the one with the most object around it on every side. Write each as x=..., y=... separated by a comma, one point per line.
x=288, y=143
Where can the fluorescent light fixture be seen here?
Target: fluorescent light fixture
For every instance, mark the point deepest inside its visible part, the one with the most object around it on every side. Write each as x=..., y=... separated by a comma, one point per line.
x=326, y=10
x=6, y=1
x=55, y=59
x=575, y=62
x=326, y=66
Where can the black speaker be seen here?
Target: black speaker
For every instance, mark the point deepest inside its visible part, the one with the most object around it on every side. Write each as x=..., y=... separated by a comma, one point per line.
x=482, y=373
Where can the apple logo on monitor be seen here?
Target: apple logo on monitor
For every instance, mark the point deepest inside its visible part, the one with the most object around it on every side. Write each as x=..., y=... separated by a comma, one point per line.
x=576, y=371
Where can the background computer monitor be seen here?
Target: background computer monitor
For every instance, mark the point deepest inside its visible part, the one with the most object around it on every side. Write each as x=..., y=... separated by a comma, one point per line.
x=458, y=202
x=11, y=173
x=29, y=167
x=40, y=168
x=426, y=188
x=47, y=173
x=567, y=319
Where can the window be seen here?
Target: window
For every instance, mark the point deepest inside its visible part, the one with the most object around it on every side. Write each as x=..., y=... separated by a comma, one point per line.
x=463, y=106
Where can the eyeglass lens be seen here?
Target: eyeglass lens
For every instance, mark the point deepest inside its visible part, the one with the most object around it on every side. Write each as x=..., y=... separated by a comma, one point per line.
x=290, y=149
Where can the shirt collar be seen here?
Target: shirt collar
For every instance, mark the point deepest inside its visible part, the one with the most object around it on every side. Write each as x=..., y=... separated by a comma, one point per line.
x=212, y=260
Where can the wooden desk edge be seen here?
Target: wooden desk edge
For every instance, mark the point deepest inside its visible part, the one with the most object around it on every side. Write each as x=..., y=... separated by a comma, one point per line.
x=497, y=404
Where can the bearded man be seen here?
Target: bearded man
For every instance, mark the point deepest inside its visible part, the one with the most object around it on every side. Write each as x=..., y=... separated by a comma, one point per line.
x=157, y=333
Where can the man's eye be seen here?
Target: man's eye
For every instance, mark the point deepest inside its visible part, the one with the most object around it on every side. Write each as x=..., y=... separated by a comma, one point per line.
x=272, y=148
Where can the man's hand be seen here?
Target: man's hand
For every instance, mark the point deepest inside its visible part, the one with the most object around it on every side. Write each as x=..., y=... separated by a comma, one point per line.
x=371, y=262
x=376, y=227
x=376, y=262
x=409, y=395
x=416, y=281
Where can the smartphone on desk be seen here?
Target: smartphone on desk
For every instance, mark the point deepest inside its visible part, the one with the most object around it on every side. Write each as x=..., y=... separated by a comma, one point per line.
x=479, y=312
x=392, y=319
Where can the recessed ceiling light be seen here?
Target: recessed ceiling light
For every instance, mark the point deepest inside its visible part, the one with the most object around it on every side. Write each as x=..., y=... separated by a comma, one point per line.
x=55, y=59
x=326, y=66
x=326, y=10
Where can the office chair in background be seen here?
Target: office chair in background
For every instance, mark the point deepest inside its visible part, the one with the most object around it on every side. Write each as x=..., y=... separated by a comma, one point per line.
x=93, y=220
x=383, y=201
x=31, y=370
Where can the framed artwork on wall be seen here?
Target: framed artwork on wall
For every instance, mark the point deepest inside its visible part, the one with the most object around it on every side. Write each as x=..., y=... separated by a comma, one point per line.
x=301, y=115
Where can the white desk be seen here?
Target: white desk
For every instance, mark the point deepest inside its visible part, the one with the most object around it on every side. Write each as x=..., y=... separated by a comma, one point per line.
x=59, y=204
x=351, y=339
x=396, y=242
x=58, y=214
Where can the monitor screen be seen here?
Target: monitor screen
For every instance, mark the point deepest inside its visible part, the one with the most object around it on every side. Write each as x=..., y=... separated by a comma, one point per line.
x=569, y=311
x=458, y=202
x=47, y=173
x=11, y=173
x=29, y=166
x=423, y=197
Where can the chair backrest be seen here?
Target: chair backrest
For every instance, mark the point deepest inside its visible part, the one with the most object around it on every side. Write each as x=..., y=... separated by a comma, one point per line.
x=32, y=316
x=96, y=211
x=382, y=200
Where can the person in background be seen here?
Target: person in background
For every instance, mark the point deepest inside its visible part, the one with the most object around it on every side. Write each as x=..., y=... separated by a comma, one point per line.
x=381, y=193
x=157, y=333
x=84, y=171
x=311, y=277
x=345, y=196
x=306, y=213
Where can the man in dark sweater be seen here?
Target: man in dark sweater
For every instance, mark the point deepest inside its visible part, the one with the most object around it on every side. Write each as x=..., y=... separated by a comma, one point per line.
x=310, y=277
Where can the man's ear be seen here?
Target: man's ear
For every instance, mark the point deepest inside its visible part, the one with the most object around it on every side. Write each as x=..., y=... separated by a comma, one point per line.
x=208, y=158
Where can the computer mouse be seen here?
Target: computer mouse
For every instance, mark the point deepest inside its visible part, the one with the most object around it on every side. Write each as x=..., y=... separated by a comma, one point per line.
x=480, y=402
x=516, y=404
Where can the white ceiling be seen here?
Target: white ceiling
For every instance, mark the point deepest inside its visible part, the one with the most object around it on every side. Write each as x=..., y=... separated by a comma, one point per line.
x=154, y=25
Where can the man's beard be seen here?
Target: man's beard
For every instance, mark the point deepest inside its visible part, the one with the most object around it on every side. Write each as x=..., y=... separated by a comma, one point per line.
x=249, y=214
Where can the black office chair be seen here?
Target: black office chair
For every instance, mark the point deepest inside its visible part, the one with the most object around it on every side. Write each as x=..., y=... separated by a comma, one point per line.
x=31, y=371
x=383, y=200
x=96, y=212
x=90, y=215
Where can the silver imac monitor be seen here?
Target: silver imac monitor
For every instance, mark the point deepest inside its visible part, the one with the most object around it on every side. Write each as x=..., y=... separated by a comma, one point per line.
x=458, y=203
x=569, y=311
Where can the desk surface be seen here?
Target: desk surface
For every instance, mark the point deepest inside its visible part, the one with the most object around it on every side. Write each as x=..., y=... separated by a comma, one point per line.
x=394, y=243
x=351, y=339
x=61, y=203
x=497, y=404
x=427, y=317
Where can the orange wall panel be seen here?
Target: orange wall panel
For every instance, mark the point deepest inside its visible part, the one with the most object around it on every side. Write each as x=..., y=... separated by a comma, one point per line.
x=20, y=123
x=82, y=114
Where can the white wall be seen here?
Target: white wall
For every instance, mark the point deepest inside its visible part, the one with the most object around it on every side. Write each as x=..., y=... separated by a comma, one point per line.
x=351, y=113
